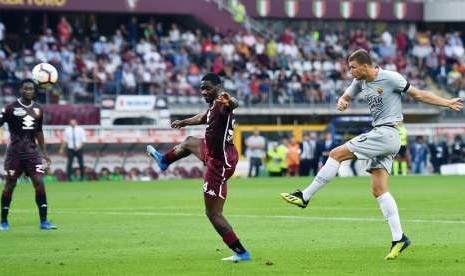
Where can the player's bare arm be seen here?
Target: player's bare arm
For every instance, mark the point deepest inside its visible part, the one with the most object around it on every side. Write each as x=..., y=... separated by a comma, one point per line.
x=41, y=144
x=343, y=102
x=430, y=98
x=198, y=119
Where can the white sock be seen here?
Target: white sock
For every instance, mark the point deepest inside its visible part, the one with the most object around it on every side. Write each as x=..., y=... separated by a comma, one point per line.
x=327, y=172
x=388, y=206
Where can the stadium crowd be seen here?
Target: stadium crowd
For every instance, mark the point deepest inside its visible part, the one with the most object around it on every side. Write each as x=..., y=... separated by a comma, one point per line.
x=298, y=65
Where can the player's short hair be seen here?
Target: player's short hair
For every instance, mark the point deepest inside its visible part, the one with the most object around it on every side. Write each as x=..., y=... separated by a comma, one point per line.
x=361, y=56
x=27, y=81
x=213, y=78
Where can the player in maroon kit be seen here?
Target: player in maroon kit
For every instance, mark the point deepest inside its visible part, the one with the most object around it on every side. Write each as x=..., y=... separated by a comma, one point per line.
x=24, y=118
x=217, y=152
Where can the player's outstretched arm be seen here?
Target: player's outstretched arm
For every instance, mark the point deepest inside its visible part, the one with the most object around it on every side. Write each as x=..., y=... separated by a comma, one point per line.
x=198, y=119
x=430, y=98
x=41, y=143
x=343, y=102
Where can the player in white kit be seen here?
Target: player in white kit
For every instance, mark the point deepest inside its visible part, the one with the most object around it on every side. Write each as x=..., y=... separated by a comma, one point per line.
x=383, y=90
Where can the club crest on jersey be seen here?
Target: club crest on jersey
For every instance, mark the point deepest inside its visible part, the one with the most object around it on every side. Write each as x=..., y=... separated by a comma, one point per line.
x=19, y=111
x=36, y=111
x=379, y=90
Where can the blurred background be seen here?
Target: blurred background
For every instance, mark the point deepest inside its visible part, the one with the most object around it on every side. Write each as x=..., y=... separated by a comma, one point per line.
x=129, y=67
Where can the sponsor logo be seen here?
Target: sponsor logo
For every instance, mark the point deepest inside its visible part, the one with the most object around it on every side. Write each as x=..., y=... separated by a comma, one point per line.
x=28, y=122
x=11, y=172
x=205, y=187
x=211, y=192
x=362, y=138
x=40, y=168
x=19, y=111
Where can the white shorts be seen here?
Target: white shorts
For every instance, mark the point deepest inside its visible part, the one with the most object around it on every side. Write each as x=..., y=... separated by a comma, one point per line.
x=378, y=147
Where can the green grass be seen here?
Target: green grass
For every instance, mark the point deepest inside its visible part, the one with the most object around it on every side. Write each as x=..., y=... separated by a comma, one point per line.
x=159, y=228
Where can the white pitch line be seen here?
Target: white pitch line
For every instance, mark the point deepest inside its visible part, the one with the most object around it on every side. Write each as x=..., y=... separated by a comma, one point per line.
x=310, y=218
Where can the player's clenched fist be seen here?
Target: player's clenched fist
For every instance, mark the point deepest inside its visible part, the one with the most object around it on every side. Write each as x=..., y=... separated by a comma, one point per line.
x=224, y=98
x=342, y=104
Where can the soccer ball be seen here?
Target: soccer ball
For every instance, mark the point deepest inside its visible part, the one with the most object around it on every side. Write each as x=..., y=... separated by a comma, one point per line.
x=45, y=74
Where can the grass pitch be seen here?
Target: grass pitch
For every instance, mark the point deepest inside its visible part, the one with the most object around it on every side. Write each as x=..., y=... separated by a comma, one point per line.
x=159, y=228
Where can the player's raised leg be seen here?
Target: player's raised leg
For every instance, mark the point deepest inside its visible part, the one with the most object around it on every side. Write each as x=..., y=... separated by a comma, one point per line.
x=388, y=207
x=189, y=145
x=327, y=172
x=214, y=211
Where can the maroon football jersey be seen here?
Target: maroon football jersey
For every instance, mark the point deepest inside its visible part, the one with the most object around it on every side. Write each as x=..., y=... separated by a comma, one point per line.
x=220, y=130
x=24, y=122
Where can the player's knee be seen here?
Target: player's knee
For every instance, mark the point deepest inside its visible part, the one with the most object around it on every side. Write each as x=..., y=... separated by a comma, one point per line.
x=40, y=188
x=187, y=142
x=336, y=154
x=10, y=183
x=212, y=215
x=377, y=190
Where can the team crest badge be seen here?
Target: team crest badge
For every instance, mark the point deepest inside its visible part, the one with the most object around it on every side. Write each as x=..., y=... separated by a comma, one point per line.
x=36, y=111
x=19, y=111
x=379, y=90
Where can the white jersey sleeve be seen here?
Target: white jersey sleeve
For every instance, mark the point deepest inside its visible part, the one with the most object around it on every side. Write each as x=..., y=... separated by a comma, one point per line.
x=399, y=83
x=353, y=89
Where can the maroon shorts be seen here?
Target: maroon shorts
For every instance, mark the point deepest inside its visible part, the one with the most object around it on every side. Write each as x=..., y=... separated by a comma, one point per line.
x=218, y=171
x=15, y=165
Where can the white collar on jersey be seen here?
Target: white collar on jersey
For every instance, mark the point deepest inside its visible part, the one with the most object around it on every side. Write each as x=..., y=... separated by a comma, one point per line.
x=26, y=106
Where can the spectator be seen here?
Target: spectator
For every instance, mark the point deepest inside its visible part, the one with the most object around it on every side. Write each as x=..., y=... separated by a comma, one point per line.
x=282, y=151
x=104, y=175
x=439, y=154
x=2, y=33
x=293, y=157
x=74, y=138
x=64, y=30
x=132, y=31
x=255, y=152
x=274, y=160
x=418, y=153
x=239, y=12
x=457, y=151
x=308, y=162
x=324, y=147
